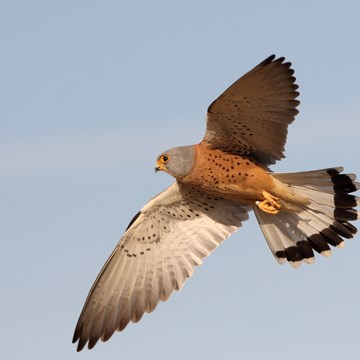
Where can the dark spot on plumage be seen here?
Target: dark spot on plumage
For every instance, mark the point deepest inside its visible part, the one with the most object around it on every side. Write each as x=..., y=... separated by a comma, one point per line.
x=341, y=229
x=350, y=227
x=293, y=254
x=345, y=215
x=318, y=243
x=343, y=183
x=345, y=201
x=341, y=179
x=332, y=172
x=344, y=189
x=280, y=254
x=305, y=249
x=331, y=237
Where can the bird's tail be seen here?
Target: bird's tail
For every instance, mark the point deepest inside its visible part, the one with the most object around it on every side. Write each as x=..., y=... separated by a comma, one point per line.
x=294, y=235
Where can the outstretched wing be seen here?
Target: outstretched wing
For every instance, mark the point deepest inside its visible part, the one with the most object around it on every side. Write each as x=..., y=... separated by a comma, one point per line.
x=251, y=117
x=171, y=235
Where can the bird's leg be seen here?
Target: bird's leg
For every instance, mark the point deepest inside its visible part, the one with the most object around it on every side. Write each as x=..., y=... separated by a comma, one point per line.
x=271, y=203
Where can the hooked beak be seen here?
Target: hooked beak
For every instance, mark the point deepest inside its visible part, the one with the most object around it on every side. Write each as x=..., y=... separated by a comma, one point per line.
x=159, y=167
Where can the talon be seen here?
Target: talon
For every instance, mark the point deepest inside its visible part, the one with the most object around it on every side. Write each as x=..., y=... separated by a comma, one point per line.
x=271, y=203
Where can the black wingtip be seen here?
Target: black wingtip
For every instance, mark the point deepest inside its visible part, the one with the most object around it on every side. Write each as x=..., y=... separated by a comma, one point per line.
x=77, y=337
x=270, y=58
x=81, y=344
x=273, y=58
x=267, y=61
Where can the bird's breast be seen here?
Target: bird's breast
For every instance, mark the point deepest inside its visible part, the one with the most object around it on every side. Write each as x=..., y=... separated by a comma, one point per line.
x=231, y=176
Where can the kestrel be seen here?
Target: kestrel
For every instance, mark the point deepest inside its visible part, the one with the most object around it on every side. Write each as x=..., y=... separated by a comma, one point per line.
x=218, y=181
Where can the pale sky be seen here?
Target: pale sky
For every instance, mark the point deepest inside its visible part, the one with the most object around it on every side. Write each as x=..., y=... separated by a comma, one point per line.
x=90, y=93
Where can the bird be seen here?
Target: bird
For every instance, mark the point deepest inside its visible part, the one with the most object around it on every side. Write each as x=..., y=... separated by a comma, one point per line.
x=217, y=183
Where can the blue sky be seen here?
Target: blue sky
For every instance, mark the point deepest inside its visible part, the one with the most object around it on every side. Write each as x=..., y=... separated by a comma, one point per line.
x=91, y=92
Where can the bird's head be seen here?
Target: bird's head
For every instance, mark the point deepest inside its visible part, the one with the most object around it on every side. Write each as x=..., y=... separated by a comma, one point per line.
x=177, y=161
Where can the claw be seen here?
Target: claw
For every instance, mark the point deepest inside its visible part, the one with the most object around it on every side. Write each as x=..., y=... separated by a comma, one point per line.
x=270, y=205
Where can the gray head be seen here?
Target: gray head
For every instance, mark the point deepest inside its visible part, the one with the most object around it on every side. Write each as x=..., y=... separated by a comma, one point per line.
x=177, y=161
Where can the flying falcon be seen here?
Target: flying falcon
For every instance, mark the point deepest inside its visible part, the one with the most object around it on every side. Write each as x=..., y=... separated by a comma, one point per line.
x=218, y=181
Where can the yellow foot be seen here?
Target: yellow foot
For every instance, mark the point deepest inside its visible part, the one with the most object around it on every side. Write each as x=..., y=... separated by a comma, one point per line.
x=271, y=203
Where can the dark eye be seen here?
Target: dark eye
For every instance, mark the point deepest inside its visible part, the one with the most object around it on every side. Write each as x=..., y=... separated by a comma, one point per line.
x=164, y=159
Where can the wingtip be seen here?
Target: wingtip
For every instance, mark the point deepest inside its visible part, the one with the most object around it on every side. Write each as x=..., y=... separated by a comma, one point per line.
x=273, y=58
x=81, y=344
x=77, y=338
x=268, y=60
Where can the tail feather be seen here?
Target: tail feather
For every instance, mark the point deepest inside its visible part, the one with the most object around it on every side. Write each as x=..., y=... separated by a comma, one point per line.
x=294, y=235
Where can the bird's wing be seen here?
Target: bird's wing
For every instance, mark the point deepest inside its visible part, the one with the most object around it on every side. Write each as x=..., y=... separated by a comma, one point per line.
x=251, y=117
x=171, y=235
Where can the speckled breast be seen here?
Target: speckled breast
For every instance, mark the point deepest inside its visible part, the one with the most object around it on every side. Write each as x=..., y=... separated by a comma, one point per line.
x=230, y=175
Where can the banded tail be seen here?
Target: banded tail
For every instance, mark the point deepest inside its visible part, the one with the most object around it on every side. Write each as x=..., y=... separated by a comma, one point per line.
x=323, y=222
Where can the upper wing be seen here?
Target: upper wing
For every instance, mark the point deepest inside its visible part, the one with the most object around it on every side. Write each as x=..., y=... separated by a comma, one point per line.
x=251, y=117
x=159, y=250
